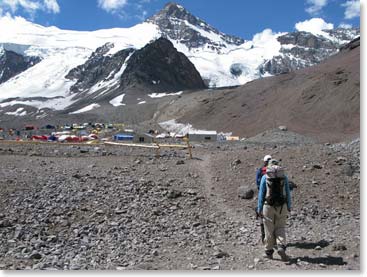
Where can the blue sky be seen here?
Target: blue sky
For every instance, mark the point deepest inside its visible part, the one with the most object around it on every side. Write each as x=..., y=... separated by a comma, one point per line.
x=243, y=18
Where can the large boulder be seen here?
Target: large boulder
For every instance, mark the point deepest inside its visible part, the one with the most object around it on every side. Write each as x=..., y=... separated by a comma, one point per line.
x=244, y=192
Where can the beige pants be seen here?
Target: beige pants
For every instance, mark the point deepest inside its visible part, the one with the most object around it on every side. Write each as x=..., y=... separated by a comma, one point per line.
x=275, y=223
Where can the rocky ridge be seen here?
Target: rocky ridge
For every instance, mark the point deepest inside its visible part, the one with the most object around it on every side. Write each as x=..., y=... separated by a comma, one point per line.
x=161, y=68
x=98, y=68
x=12, y=64
x=174, y=22
x=303, y=49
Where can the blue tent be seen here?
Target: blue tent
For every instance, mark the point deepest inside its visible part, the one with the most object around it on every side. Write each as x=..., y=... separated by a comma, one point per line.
x=123, y=137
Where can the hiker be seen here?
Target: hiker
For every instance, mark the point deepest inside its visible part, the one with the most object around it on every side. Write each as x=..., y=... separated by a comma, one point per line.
x=274, y=203
x=259, y=173
x=262, y=171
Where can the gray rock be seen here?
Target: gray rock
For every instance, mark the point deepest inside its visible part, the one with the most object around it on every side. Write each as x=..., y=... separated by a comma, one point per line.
x=348, y=170
x=245, y=193
x=35, y=256
x=221, y=254
x=5, y=223
x=236, y=162
x=292, y=185
x=172, y=194
x=339, y=247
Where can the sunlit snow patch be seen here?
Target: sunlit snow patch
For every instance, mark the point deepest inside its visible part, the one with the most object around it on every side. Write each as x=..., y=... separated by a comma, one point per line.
x=159, y=95
x=87, y=108
x=117, y=101
x=180, y=128
x=18, y=112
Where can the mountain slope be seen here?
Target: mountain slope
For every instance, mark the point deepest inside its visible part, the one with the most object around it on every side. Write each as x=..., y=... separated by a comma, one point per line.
x=322, y=101
x=221, y=59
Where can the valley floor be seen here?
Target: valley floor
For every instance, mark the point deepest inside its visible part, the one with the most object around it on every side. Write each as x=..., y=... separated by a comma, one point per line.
x=114, y=208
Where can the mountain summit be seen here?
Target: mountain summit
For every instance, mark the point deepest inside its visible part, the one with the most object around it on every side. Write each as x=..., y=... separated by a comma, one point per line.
x=176, y=23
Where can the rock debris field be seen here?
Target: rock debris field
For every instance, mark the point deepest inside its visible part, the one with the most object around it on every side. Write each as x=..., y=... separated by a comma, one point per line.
x=69, y=207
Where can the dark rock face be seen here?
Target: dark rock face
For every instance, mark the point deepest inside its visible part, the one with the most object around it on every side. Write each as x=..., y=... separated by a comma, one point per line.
x=11, y=64
x=304, y=39
x=172, y=21
x=161, y=68
x=351, y=45
x=305, y=49
x=99, y=67
x=343, y=34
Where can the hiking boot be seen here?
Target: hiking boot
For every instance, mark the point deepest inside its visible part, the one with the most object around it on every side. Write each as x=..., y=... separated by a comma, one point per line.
x=268, y=255
x=283, y=255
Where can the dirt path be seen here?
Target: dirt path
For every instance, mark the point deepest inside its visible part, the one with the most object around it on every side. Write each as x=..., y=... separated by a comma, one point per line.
x=213, y=193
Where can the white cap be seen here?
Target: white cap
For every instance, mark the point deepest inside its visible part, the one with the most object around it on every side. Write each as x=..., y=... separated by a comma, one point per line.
x=267, y=158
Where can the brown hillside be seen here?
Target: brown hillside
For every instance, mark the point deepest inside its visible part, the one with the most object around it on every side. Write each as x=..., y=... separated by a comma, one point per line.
x=321, y=101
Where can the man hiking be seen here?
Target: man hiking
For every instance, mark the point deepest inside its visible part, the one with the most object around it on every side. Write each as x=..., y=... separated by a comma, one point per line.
x=274, y=203
x=260, y=172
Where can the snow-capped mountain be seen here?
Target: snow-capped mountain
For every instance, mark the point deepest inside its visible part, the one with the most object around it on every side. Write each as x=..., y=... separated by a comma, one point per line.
x=76, y=64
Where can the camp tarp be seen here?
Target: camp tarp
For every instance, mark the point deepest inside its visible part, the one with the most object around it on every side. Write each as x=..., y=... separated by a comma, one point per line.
x=123, y=137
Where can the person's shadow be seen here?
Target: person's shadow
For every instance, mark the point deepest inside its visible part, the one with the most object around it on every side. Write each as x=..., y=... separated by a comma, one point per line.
x=309, y=245
x=328, y=260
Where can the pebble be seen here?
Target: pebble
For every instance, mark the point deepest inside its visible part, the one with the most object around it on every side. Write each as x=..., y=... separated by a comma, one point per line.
x=339, y=247
x=221, y=254
x=35, y=256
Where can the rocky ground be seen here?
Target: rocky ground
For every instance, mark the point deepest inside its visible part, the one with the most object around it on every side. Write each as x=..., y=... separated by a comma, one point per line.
x=117, y=208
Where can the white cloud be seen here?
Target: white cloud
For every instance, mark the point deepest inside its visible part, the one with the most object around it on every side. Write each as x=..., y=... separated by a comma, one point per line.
x=29, y=6
x=263, y=37
x=141, y=11
x=316, y=6
x=352, y=9
x=111, y=5
x=345, y=26
x=314, y=26
x=52, y=6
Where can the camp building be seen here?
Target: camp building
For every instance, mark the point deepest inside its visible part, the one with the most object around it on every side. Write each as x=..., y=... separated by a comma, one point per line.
x=200, y=135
